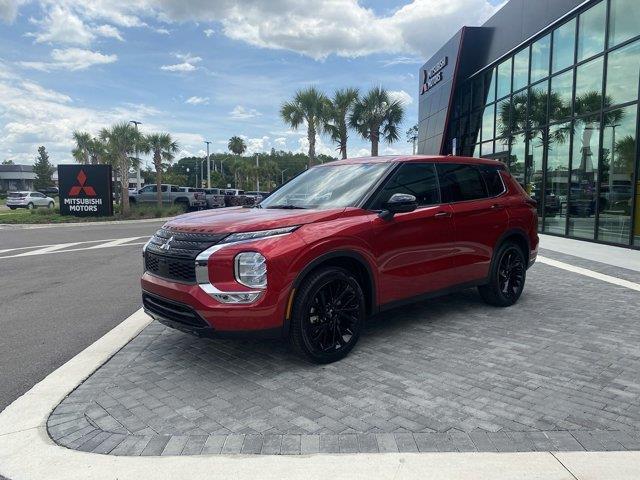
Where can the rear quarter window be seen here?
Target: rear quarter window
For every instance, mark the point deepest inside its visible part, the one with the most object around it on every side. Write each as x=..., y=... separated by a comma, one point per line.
x=492, y=180
x=460, y=182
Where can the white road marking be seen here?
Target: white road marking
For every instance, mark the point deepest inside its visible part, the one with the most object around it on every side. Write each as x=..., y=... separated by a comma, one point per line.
x=590, y=273
x=54, y=244
x=65, y=247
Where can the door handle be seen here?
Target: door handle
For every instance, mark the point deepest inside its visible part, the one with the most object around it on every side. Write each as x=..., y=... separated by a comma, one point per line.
x=497, y=206
x=442, y=215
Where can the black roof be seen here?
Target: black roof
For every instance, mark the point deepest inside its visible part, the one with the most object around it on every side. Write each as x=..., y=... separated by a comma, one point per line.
x=16, y=168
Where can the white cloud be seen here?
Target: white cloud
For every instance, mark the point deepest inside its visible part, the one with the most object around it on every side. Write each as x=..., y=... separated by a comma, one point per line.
x=162, y=31
x=44, y=94
x=241, y=113
x=403, y=61
x=62, y=26
x=197, y=100
x=187, y=64
x=402, y=96
x=109, y=31
x=9, y=9
x=71, y=59
x=209, y=32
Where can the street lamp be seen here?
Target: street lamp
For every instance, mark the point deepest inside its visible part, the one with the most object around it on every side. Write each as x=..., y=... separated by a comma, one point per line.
x=138, y=175
x=208, y=166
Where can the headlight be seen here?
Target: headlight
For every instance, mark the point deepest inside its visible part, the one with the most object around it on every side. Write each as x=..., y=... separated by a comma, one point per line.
x=244, y=236
x=251, y=269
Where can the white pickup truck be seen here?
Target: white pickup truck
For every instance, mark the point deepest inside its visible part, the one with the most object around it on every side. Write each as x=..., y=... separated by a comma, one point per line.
x=171, y=195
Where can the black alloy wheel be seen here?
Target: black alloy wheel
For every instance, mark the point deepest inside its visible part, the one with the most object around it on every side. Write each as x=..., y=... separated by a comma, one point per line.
x=507, y=277
x=328, y=315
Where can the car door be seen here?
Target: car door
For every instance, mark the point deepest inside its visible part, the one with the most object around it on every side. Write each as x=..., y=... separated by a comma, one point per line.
x=479, y=218
x=38, y=199
x=413, y=250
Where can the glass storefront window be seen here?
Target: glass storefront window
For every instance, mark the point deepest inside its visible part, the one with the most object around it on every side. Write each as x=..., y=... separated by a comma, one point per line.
x=591, y=27
x=486, y=149
x=521, y=69
x=589, y=87
x=516, y=161
x=564, y=38
x=534, y=172
x=504, y=78
x=490, y=86
x=624, y=21
x=623, y=68
x=561, y=93
x=503, y=118
x=557, y=179
x=616, y=174
x=540, y=58
x=477, y=92
x=538, y=101
x=584, y=177
x=488, y=122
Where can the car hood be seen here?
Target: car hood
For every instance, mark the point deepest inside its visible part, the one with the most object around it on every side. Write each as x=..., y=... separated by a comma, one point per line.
x=240, y=219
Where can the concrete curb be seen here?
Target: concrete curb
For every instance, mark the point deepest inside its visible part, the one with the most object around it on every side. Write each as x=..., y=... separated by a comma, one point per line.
x=27, y=452
x=27, y=226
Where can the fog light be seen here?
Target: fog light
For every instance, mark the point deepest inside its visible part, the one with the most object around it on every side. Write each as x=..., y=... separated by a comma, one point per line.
x=236, y=297
x=251, y=269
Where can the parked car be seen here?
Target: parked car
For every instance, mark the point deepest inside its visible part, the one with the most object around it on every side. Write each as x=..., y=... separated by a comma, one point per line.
x=214, y=197
x=29, y=200
x=369, y=234
x=50, y=191
x=257, y=196
x=171, y=194
x=236, y=198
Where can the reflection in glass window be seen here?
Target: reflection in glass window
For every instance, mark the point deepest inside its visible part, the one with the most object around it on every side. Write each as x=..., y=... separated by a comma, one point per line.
x=564, y=39
x=516, y=162
x=490, y=86
x=538, y=100
x=503, y=118
x=521, y=69
x=417, y=179
x=591, y=26
x=589, y=86
x=477, y=92
x=557, y=179
x=616, y=175
x=624, y=21
x=584, y=168
x=534, y=172
x=487, y=122
x=504, y=78
x=486, y=149
x=501, y=148
x=561, y=89
x=540, y=58
x=623, y=67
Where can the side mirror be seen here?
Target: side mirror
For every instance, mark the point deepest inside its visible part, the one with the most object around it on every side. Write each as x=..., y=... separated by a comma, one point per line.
x=399, y=203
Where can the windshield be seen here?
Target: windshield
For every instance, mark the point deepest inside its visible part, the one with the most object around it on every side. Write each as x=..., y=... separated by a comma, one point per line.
x=17, y=195
x=329, y=186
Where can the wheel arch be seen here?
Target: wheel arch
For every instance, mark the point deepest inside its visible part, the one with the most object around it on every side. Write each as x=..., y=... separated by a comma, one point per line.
x=520, y=238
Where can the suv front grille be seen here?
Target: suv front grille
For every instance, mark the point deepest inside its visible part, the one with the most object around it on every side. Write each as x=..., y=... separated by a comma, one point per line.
x=174, y=311
x=172, y=255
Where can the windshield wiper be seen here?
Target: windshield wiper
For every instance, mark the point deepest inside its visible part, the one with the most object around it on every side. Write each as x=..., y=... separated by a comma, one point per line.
x=287, y=207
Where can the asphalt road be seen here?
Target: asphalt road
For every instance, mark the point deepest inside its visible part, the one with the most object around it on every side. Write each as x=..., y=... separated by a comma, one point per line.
x=54, y=304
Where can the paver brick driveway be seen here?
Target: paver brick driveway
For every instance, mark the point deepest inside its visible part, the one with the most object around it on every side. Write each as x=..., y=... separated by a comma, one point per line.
x=559, y=371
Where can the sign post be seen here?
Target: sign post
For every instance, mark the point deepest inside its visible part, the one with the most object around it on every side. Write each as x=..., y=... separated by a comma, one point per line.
x=85, y=190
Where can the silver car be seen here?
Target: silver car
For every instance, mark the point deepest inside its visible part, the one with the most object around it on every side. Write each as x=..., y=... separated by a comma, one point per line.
x=29, y=200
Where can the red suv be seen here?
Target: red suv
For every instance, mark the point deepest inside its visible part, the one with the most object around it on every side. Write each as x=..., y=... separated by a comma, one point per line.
x=340, y=242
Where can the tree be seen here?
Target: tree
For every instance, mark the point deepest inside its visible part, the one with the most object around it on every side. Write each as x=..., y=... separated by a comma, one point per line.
x=163, y=148
x=8, y=162
x=121, y=141
x=308, y=106
x=81, y=151
x=338, y=109
x=376, y=114
x=43, y=169
x=412, y=137
x=237, y=145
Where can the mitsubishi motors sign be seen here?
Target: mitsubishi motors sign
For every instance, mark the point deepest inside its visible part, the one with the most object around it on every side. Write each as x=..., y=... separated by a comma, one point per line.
x=85, y=190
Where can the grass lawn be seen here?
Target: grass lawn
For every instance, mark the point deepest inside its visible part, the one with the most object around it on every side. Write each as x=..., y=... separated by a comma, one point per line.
x=44, y=215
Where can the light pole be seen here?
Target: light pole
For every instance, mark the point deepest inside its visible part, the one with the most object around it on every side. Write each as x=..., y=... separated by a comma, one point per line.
x=208, y=166
x=138, y=176
x=282, y=175
x=257, y=174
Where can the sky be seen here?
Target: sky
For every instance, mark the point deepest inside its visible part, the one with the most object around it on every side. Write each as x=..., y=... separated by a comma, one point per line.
x=204, y=70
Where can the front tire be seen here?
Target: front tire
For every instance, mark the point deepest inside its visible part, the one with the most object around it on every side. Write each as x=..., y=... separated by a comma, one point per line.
x=328, y=315
x=50, y=206
x=30, y=206
x=507, y=277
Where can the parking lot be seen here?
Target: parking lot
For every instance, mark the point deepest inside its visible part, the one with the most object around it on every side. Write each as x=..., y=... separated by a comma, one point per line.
x=559, y=371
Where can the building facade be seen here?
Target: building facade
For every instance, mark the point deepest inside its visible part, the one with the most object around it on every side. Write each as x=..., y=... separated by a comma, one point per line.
x=549, y=87
x=16, y=177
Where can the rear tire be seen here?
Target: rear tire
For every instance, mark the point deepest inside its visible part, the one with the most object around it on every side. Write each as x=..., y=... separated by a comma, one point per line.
x=327, y=316
x=506, y=278
x=13, y=208
x=50, y=206
x=30, y=206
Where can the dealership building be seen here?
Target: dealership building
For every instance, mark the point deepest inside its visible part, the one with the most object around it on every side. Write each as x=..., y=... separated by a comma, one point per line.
x=549, y=87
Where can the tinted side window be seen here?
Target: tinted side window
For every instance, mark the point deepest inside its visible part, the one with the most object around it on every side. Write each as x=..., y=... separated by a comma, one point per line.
x=174, y=188
x=492, y=180
x=417, y=179
x=460, y=182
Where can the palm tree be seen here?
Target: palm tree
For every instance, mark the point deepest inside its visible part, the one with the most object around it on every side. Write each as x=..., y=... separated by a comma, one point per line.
x=376, y=114
x=163, y=148
x=81, y=151
x=310, y=106
x=237, y=145
x=121, y=141
x=338, y=108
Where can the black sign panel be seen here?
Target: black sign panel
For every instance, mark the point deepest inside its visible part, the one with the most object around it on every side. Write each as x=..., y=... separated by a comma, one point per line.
x=85, y=190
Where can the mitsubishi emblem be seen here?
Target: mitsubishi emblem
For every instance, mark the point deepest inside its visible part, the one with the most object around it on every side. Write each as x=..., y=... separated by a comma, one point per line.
x=166, y=246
